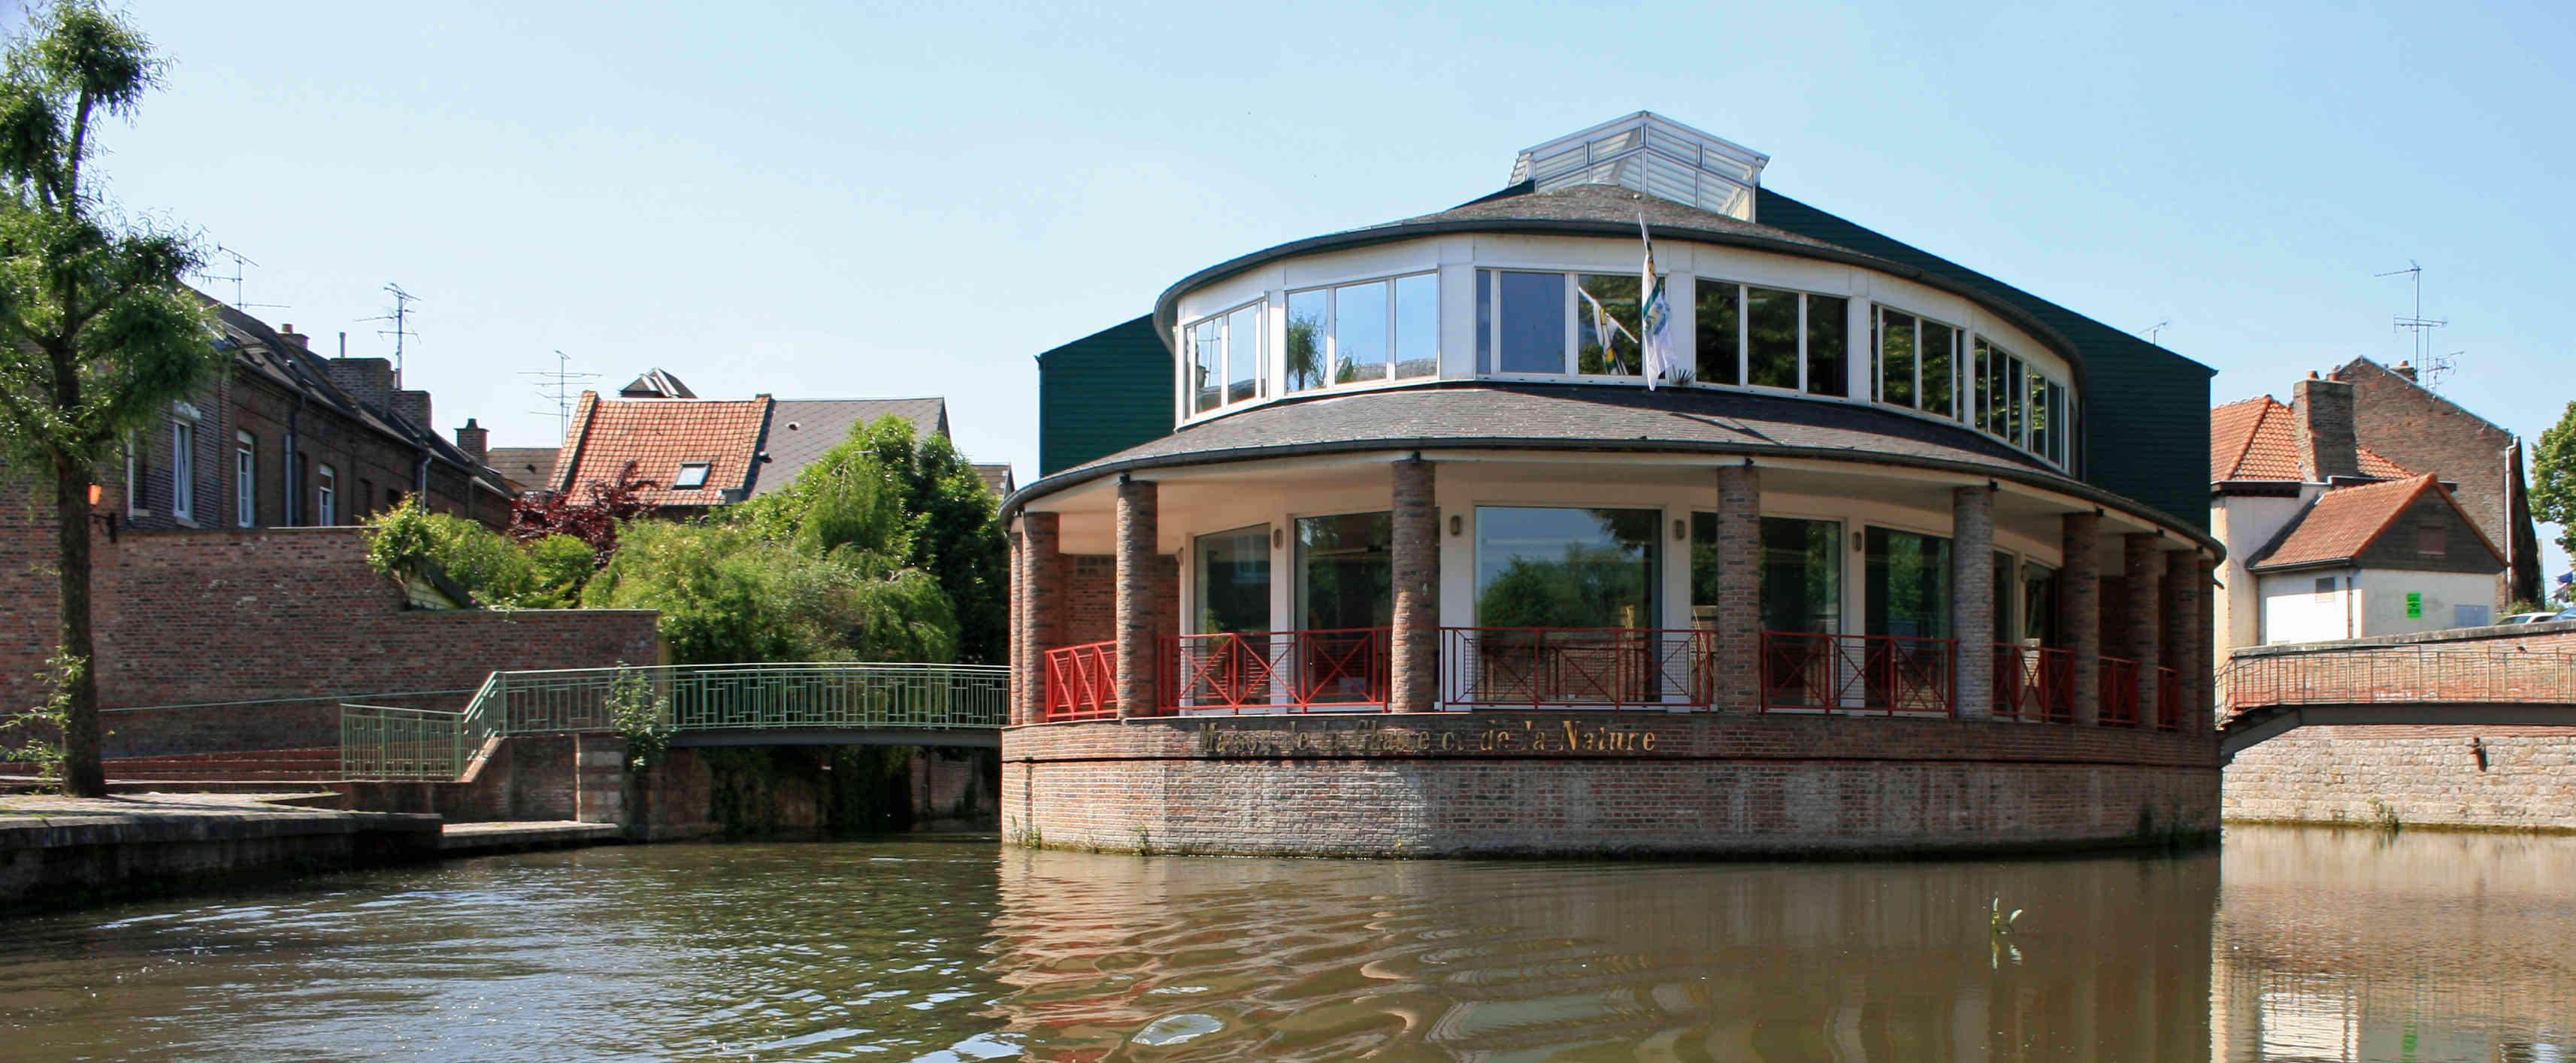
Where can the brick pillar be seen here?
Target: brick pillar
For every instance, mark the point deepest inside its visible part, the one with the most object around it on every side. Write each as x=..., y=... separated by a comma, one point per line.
x=2182, y=607
x=1044, y=607
x=1414, y=650
x=1972, y=600
x=2143, y=579
x=1138, y=529
x=1738, y=665
x=2079, y=609
x=1017, y=621
x=2204, y=706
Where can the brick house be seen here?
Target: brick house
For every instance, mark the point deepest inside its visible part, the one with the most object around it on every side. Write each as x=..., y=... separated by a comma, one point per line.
x=2272, y=466
x=1416, y=474
x=700, y=454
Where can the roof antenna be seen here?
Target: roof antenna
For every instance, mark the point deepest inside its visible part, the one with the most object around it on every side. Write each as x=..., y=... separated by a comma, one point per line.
x=2421, y=326
x=239, y=260
x=401, y=317
x=557, y=384
x=2156, y=328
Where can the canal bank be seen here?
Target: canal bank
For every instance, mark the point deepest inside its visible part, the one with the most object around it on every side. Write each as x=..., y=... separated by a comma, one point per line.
x=58, y=852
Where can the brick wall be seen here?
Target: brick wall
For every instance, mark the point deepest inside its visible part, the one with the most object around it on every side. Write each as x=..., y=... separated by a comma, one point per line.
x=2478, y=777
x=1458, y=784
x=2425, y=432
x=1090, y=599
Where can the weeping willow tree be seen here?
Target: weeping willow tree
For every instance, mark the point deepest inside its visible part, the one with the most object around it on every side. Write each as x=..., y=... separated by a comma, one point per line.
x=97, y=333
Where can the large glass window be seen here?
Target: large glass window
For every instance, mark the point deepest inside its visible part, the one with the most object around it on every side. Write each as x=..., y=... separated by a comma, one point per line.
x=1552, y=567
x=326, y=496
x=2038, y=604
x=1225, y=363
x=1243, y=368
x=1802, y=574
x=1362, y=333
x=1529, y=326
x=1616, y=353
x=1896, y=361
x=1915, y=359
x=245, y=480
x=1232, y=580
x=1907, y=583
x=1938, y=347
x=1207, y=364
x=1772, y=336
x=1791, y=340
x=1828, y=344
x=1720, y=327
x=1346, y=571
x=2007, y=597
x=183, y=470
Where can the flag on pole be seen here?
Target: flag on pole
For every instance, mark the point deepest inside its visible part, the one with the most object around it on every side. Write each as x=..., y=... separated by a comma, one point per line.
x=1655, y=315
x=1603, y=325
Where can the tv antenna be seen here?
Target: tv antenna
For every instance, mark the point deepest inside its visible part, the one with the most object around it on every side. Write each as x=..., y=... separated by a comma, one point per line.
x=239, y=260
x=401, y=318
x=2156, y=328
x=557, y=384
x=2421, y=326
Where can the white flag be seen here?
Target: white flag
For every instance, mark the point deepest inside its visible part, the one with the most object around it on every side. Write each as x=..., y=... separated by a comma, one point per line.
x=1654, y=314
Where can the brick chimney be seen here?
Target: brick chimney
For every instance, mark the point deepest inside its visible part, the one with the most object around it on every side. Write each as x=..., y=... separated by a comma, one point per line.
x=2327, y=446
x=413, y=406
x=369, y=380
x=471, y=439
x=2404, y=369
x=288, y=333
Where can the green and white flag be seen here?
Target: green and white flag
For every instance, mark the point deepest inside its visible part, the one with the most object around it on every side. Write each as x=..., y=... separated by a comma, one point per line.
x=1655, y=315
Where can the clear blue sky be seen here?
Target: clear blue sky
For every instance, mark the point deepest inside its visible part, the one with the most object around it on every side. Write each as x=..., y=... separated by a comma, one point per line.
x=916, y=200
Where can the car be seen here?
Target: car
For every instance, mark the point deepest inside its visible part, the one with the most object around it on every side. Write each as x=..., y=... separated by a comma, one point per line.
x=2529, y=618
x=2568, y=613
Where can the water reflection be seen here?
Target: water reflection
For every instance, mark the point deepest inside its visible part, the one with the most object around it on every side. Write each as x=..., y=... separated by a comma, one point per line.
x=1180, y=958
x=2360, y=945
x=2292, y=945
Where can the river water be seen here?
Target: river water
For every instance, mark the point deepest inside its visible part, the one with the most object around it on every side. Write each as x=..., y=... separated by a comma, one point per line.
x=2281, y=945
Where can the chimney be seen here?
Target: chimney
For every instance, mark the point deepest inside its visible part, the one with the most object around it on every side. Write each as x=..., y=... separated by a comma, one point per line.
x=288, y=333
x=2327, y=447
x=413, y=406
x=368, y=380
x=471, y=438
x=2404, y=369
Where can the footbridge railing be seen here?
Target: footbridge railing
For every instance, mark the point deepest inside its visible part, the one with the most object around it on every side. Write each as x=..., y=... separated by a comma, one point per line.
x=2265, y=696
x=378, y=742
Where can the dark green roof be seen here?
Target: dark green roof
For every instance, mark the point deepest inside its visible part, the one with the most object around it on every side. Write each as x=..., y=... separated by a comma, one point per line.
x=1102, y=394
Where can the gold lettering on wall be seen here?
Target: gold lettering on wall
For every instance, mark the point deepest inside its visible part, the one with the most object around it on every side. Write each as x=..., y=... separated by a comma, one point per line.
x=1311, y=737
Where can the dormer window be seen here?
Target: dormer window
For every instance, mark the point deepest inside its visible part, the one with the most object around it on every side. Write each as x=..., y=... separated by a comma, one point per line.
x=693, y=474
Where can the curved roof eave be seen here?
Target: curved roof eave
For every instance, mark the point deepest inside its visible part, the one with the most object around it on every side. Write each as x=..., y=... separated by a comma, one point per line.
x=1165, y=316
x=1012, y=505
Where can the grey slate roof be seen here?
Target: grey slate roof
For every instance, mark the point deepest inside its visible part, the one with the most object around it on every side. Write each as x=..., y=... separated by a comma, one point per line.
x=800, y=430
x=1614, y=205
x=532, y=468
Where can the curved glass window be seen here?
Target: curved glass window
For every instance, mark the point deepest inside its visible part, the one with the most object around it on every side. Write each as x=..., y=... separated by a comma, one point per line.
x=1224, y=358
x=1789, y=340
x=1720, y=332
x=1363, y=333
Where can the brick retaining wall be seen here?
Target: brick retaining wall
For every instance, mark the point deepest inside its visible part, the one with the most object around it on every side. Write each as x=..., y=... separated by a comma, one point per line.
x=2425, y=776
x=1596, y=783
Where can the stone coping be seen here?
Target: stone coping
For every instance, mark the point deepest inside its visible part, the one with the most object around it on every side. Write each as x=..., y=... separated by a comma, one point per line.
x=47, y=822
x=2487, y=633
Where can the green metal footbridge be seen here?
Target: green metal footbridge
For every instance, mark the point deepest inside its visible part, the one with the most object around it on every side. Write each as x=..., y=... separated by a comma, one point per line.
x=698, y=705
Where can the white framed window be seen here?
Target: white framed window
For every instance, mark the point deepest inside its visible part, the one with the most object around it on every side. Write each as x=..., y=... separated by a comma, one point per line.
x=1363, y=333
x=693, y=474
x=326, y=496
x=1791, y=340
x=137, y=465
x=1224, y=363
x=1915, y=361
x=1532, y=321
x=183, y=470
x=245, y=480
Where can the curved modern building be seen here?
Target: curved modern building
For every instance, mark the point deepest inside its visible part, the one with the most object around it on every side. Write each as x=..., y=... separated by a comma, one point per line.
x=1396, y=541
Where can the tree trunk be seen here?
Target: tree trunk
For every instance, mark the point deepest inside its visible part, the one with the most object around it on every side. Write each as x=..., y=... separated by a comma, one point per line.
x=82, y=774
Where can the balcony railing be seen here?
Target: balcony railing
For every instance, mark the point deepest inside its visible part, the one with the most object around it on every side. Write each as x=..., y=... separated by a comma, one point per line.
x=1606, y=667
x=2034, y=684
x=2119, y=686
x=1082, y=681
x=2168, y=699
x=1882, y=674
x=1291, y=671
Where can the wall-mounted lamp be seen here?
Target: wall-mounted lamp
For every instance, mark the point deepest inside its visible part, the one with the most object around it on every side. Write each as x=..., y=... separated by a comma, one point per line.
x=1278, y=538
x=1457, y=524
x=1857, y=544
x=107, y=520
x=1681, y=529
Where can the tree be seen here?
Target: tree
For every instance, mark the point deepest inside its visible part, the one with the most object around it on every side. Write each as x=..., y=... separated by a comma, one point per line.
x=2553, y=479
x=592, y=518
x=97, y=333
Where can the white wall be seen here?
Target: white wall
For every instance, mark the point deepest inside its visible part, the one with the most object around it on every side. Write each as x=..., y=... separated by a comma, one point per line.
x=2246, y=523
x=2293, y=611
x=2369, y=602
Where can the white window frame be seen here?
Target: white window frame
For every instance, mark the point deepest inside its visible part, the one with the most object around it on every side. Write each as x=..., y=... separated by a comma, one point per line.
x=183, y=469
x=1489, y=285
x=245, y=480
x=1226, y=346
x=326, y=494
x=1330, y=336
x=1962, y=349
x=1744, y=339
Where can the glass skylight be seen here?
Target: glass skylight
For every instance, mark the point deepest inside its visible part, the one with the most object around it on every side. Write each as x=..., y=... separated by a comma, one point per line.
x=1652, y=154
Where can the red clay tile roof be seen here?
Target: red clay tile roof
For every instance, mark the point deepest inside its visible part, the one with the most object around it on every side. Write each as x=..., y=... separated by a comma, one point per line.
x=2343, y=521
x=2258, y=439
x=660, y=435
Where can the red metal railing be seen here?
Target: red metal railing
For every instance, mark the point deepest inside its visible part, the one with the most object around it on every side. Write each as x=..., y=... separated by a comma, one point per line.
x=1888, y=674
x=2119, y=686
x=1282, y=670
x=2034, y=684
x=2168, y=699
x=1541, y=666
x=1082, y=681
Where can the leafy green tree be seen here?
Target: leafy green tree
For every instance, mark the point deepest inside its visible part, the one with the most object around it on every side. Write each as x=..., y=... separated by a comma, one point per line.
x=2553, y=479
x=728, y=593
x=97, y=333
